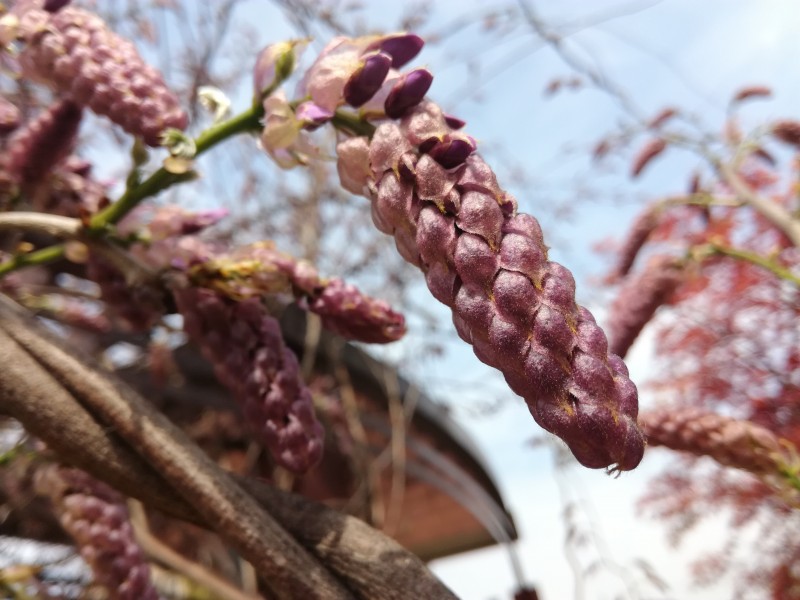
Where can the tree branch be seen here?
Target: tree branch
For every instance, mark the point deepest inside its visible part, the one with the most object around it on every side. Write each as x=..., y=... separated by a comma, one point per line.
x=373, y=565
x=771, y=211
x=281, y=561
x=37, y=222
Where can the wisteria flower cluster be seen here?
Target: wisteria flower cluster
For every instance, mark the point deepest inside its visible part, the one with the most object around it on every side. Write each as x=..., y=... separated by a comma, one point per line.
x=449, y=216
x=73, y=51
x=731, y=442
x=97, y=518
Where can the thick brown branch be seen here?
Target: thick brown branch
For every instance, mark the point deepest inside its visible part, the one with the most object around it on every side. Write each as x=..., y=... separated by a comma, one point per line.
x=281, y=561
x=373, y=565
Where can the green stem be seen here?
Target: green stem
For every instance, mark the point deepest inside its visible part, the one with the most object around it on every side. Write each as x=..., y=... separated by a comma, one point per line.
x=790, y=476
x=758, y=260
x=37, y=257
x=352, y=124
x=162, y=179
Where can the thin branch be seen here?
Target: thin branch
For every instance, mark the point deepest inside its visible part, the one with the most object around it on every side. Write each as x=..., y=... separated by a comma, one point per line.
x=162, y=178
x=752, y=257
x=37, y=222
x=30, y=259
x=157, y=550
x=597, y=78
x=773, y=212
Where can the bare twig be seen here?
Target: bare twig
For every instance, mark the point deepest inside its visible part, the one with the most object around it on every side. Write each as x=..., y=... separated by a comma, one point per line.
x=36, y=222
x=773, y=212
x=159, y=551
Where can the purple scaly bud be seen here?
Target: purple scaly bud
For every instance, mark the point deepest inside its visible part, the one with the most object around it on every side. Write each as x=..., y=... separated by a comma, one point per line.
x=489, y=264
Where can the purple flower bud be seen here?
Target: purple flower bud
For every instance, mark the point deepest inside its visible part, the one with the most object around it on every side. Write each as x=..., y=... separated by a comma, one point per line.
x=401, y=47
x=52, y=6
x=408, y=92
x=454, y=122
x=640, y=298
x=246, y=347
x=312, y=115
x=365, y=82
x=452, y=150
x=258, y=269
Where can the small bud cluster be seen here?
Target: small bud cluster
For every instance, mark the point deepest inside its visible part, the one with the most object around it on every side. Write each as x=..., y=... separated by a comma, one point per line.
x=355, y=71
x=70, y=190
x=647, y=154
x=731, y=442
x=97, y=518
x=259, y=269
x=35, y=150
x=167, y=235
x=138, y=306
x=639, y=233
x=449, y=217
x=639, y=299
x=246, y=347
x=788, y=132
x=358, y=72
x=74, y=52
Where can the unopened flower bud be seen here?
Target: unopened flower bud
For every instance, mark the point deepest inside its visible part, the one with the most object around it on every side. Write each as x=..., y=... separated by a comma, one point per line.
x=787, y=132
x=245, y=345
x=639, y=299
x=33, y=151
x=365, y=82
x=454, y=122
x=408, y=92
x=452, y=150
x=75, y=53
x=97, y=518
x=54, y=5
x=402, y=47
x=274, y=65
